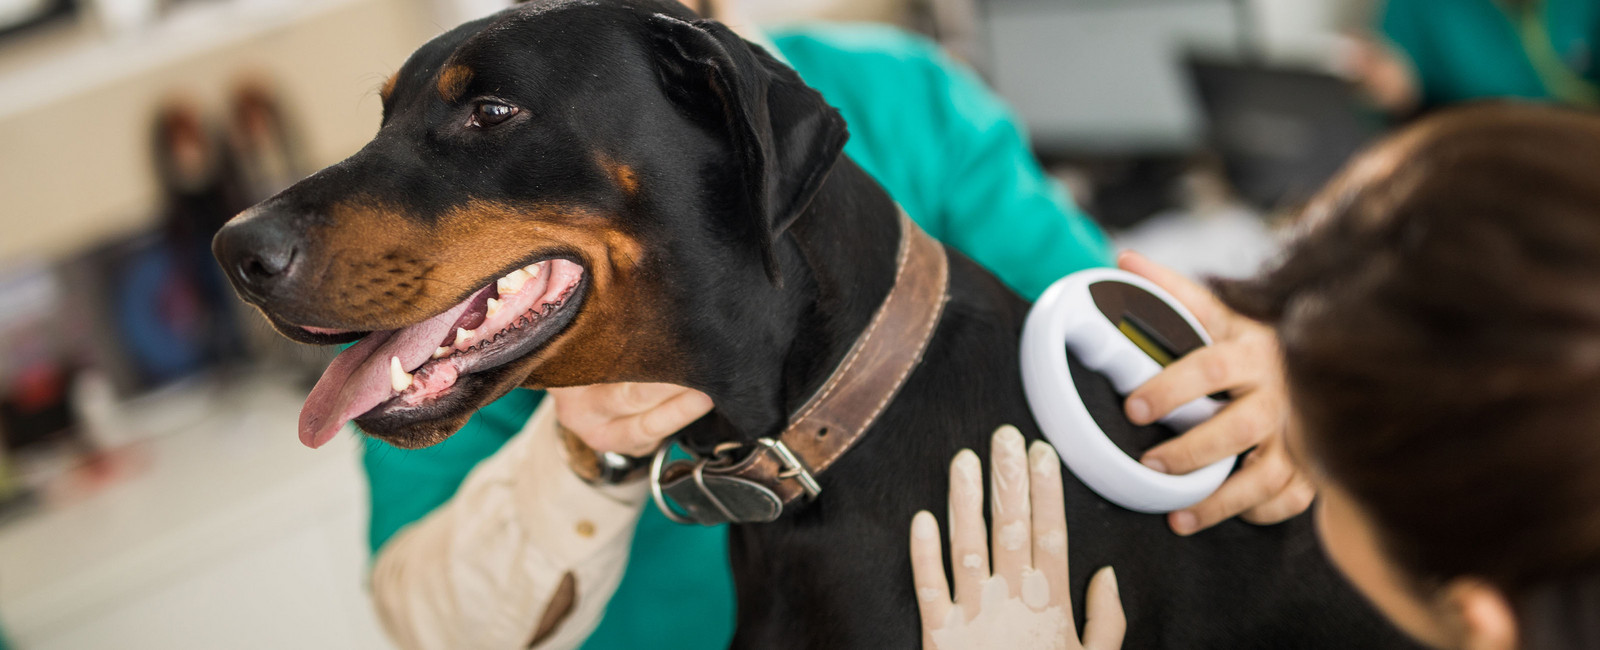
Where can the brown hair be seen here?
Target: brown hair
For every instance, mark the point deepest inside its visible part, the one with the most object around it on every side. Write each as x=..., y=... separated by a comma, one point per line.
x=1440, y=326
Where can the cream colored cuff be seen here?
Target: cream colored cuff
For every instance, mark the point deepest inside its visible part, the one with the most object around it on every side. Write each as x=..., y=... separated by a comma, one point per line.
x=573, y=516
x=524, y=551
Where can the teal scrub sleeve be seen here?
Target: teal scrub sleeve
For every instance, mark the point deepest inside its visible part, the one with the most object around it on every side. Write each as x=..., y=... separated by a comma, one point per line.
x=1467, y=50
x=942, y=145
x=949, y=150
x=1000, y=208
x=407, y=484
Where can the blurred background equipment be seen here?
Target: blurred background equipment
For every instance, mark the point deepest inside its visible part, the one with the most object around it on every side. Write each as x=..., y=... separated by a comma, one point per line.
x=1117, y=109
x=16, y=15
x=1280, y=132
x=1101, y=75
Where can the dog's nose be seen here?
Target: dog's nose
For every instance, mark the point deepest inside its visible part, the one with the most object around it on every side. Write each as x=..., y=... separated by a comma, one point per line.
x=258, y=253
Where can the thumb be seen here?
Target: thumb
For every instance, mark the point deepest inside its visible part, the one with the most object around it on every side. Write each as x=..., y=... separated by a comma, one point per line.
x=1196, y=297
x=1104, y=623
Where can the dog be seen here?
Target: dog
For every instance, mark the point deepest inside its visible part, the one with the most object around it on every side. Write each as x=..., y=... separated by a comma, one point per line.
x=574, y=192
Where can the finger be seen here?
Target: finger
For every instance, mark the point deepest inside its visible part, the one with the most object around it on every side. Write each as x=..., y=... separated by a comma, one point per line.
x=1243, y=423
x=1292, y=501
x=969, y=550
x=1211, y=313
x=641, y=434
x=1261, y=478
x=575, y=410
x=1010, y=517
x=1104, y=621
x=633, y=398
x=1049, y=522
x=1225, y=366
x=927, y=573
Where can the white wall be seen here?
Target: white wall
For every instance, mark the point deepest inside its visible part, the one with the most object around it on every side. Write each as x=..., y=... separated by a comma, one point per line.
x=1108, y=75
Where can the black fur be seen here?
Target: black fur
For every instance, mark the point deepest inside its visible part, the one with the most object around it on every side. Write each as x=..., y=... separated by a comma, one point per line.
x=770, y=252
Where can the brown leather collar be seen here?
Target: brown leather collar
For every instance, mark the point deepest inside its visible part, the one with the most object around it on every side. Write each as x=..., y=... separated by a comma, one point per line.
x=755, y=487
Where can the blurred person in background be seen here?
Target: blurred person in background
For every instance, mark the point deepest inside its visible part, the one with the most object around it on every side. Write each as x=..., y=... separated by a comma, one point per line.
x=264, y=139
x=1439, y=334
x=518, y=551
x=201, y=191
x=1428, y=54
x=266, y=149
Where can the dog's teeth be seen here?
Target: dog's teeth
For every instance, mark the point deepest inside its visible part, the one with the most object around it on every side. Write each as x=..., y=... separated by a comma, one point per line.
x=494, y=306
x=399, y=379
x=464, y=336
x=442, y=353
x=533, y=270
x=512, y=282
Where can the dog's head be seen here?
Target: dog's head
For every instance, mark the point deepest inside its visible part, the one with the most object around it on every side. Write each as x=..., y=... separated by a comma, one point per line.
x=558, y=195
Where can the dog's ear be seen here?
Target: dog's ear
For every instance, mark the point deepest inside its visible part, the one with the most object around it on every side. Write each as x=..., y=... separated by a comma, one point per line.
x=784, y=137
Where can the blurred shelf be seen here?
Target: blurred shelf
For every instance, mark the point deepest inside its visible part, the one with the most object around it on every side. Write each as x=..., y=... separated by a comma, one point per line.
x=71, y=61
x=76, y=110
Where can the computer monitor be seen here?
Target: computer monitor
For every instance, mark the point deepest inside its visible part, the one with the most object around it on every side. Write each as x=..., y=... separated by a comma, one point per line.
x=1281, y=133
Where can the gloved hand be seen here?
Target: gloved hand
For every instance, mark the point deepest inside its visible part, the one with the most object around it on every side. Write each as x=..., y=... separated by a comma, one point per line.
x=1026, y=602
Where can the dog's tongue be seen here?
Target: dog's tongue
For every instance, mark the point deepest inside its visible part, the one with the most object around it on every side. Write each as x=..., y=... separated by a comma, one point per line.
x=358, y=379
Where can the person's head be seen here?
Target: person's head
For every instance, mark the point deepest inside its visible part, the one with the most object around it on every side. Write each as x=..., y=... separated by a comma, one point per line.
x=184, y=153
x=1440, y=325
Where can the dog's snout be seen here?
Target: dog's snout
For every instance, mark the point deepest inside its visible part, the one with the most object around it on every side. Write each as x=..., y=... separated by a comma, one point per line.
x=259, y=255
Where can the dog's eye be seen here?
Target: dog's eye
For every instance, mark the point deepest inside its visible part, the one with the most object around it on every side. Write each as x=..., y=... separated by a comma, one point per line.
x=487, y=114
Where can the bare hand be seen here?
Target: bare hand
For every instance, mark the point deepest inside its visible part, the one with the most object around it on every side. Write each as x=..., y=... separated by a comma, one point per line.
x=1242, y=361
x=628, y=418
x=1027, y=601
x=1384, y=73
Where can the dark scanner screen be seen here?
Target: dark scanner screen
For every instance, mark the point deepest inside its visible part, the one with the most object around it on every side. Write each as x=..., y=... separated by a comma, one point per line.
x=1157, y=330
x=1105, y=406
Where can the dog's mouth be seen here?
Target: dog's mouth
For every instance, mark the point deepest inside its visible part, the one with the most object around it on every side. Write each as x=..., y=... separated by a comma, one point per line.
x=393, y=378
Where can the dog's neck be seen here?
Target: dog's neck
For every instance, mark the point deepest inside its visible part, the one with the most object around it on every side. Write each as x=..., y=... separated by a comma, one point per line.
x=838, y=264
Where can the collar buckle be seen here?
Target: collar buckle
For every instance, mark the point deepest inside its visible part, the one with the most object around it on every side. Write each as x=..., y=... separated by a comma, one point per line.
x=792, y=467
x=686, y=493
x=723, y=487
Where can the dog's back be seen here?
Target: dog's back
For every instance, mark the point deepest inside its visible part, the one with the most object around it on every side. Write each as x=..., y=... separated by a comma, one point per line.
x=689, y=190
x=836, y=574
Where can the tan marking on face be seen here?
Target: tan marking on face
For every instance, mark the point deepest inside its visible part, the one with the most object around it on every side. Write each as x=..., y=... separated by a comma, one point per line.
x=621, y=334
x=453, y=81
x=387, y=91
x=389, y=270
x=621, y=175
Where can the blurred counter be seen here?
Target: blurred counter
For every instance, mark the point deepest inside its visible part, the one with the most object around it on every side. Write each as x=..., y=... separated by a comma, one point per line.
x=230, y=534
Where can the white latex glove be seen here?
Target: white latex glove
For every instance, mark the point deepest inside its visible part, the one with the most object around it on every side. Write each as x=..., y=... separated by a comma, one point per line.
x=1026, y=602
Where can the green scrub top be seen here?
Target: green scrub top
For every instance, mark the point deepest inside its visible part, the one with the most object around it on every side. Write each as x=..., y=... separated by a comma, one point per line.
x=1463, y=50
x=950, y=152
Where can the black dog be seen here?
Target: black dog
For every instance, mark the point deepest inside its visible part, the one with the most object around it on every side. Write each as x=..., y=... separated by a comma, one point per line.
x=682, y=199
